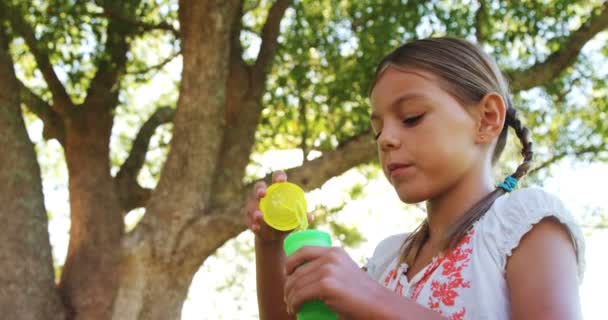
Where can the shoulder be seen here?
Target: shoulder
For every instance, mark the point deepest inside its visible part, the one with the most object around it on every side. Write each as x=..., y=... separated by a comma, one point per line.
x=386, y=250
x=390, y=243
x=526, y=207
x=544, y=261
x=531, y=200
x=514, y=215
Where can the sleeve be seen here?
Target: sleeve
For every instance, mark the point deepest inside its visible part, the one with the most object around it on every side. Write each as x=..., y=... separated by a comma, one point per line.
x=371, y=266
x=521, y=210
x=384, y=252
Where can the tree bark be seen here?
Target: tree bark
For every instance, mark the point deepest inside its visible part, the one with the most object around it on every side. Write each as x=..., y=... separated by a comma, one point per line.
x=153, y=268
x=27, y=288
x=89, y=282
x=90, y=275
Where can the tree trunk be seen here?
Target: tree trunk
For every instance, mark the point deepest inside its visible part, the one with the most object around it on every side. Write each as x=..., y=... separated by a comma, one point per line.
x=151, y=288
x=155, y=280
x=27, y=288
x=156, y=269
x=90, y=275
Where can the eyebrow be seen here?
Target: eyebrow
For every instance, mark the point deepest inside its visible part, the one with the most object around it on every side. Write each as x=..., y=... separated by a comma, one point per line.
x=395, y=104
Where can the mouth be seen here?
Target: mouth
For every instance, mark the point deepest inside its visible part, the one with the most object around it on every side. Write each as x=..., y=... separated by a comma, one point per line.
x=399, y=169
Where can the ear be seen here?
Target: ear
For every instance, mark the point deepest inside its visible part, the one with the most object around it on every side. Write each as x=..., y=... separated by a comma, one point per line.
x=492, y=112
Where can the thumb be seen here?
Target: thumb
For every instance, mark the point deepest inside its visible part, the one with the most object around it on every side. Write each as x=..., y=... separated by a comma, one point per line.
x=309, y=216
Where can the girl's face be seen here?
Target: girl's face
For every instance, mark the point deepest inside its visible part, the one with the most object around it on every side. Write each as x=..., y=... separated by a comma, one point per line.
x=426, y=138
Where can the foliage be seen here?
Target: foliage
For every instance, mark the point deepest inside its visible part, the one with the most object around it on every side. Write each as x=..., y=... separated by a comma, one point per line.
x=316, y=94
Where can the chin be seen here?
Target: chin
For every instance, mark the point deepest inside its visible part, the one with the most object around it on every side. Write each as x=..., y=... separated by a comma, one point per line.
x=411, y=196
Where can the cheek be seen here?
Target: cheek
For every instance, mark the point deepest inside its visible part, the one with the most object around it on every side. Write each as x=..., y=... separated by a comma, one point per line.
x=448, y=153
x=442, y=158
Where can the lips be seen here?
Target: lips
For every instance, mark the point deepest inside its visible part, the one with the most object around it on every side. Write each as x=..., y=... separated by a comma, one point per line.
x=395, y=169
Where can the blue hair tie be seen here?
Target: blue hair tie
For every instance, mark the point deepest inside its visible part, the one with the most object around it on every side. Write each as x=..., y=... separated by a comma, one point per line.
x=509, y=184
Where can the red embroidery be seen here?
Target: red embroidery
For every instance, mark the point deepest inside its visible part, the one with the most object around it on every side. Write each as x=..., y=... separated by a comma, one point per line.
x=458, y=315
x=427, y=274
x=444, y=291
x=391, y=275
x=399, y=288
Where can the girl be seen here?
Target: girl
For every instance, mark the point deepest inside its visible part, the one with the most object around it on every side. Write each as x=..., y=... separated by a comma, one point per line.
x=440, y=111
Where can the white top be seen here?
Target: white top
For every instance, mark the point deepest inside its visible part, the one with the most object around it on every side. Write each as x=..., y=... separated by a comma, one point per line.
x=469, y=281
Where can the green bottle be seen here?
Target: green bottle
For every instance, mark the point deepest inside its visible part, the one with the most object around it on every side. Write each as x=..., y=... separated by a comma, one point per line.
x=314, y=309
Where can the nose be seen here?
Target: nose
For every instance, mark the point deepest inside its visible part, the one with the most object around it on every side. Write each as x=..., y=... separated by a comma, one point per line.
x=388, y=141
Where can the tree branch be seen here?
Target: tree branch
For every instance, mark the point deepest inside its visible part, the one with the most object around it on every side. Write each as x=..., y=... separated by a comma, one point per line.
x=269, y=46
x=313, y=174
x=103, y=90
x=61, y=99
x=53, y=124
x=130, y=193
x=140, y=25
x=157, y=66
x=228, y=220
x=561, y=59
x=245, y=87
x=560, y=156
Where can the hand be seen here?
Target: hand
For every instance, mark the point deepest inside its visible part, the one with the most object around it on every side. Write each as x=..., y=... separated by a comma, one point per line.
x=329, y=275
x=253, y=215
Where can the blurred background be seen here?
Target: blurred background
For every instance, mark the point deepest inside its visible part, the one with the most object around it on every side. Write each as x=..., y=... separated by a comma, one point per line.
x=134, y=130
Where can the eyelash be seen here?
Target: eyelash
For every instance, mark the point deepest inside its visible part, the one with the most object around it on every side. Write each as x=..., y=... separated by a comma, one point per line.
x=410, y=122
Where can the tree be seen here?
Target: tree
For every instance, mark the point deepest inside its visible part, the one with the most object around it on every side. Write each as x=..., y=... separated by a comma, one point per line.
x=304, y=87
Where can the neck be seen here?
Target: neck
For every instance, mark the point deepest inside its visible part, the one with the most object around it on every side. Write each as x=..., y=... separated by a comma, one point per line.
x=451, y=204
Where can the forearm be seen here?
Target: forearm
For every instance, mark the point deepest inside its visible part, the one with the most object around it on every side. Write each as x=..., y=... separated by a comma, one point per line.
x=389, y=305
x=270, y=276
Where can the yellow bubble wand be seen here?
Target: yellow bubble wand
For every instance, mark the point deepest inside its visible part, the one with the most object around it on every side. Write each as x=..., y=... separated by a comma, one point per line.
x=284, y=207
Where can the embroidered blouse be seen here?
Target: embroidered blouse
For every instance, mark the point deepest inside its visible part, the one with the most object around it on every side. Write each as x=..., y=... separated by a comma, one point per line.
x=468, y=282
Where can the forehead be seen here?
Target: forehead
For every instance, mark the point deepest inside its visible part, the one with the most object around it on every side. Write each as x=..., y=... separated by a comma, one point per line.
x=394, y=84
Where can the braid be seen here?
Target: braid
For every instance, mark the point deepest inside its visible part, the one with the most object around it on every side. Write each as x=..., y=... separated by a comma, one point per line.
x=524, y=136
x=413, y=243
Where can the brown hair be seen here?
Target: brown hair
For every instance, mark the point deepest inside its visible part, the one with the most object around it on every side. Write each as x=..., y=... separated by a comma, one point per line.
x=467, y=73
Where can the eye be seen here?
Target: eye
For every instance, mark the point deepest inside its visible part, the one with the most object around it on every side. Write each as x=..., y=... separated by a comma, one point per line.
x=412, y=121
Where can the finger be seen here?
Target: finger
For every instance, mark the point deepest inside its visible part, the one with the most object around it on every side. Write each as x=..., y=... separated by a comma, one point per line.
x=259, y=189
x=303, y=272
x=261, y=193
x=256, y=219
x=294, y=290
x=311, y=289
x=257, y=216
x=304, y=254
x=279, y=176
